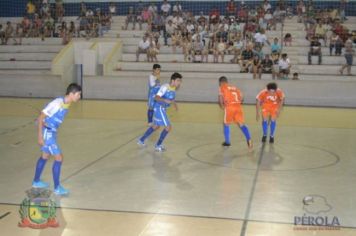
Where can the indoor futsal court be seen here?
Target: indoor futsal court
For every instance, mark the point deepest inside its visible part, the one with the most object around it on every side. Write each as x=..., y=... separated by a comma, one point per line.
x=196, y=187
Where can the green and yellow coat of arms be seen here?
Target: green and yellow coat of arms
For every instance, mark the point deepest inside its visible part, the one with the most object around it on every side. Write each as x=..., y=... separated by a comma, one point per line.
x=38, y=210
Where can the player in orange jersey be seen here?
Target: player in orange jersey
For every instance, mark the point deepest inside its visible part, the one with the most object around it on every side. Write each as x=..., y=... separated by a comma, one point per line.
x=230, y=99
x=270, y=101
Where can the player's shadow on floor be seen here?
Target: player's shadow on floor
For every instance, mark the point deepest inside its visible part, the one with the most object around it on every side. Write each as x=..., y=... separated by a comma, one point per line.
x=167, y=171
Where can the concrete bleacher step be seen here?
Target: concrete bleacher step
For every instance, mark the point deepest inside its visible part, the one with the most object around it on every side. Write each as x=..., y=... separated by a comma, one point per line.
x=25, y=72
x=30, y=48
x=21, y=65
x=192, y=67
x=317, y=69
x=38, y=41
x=165, y=75
x=27, y=56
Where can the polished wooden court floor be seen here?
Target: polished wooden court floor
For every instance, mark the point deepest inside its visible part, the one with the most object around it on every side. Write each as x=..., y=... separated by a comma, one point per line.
x=194, y=188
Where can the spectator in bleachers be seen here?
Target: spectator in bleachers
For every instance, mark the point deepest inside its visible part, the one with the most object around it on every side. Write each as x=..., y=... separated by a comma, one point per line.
x=83, y=9
x=177, y=7
x=201, y=19
x=30, y=9
x=287, y=39
x=267, y=65
x=256, y=67
x=284, y=65
x=112, y=9
x=153, y=50
x=295, y=76
x=143, y=47
x=231, y=8
x=300, y=11
x=275, y=48
x=261, y=39
x=9, y=31
x=314, y=50
x=177, y=20
x=266, y=6
x=238, y=46
x=246, y=58
x=335, y=42
x=59, y=10
x=343, y=4
x=169, y=30
x=166, y=7
x=320, y=31
x=187, y=47
x=18, y=34
x=153, y=8
x=64, y=33
x=157, y=23
x=349, y=52
x=130, y=18
x=45, y=10
x=220, y=50
x=268, y=19
x=138, y=14
x=2, y=34
x=197, y=49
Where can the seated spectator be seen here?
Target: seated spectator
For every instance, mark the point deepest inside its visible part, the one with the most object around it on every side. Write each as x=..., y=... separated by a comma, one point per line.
x=201, y=18
x=275, y=48
x=187, y=47
x=157, y=23
x=267, y=65
x=261, y=39
x=287, y=39
x=320, y=31
x=335, y=42
x=284, y=66
x=256, y=67
x=177, y=7
x=295, y=76
x=2, y=34
x=169, y=31
x=59, y=10
x=310, y=32
x=153, y=50
x=237, y=49
x=143, y=47
x=112, y=9
x=246, y=58
x=146, y=17
x=220, y=50
x=18, y=34
x=153, y=8
x=166, y=7
x=214, y=16
x=231, y=8
x=300, y=10
x=176, y=40
x=315, y=50
x=197, y=49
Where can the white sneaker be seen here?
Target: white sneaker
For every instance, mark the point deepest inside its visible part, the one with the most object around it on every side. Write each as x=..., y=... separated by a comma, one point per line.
x=160, y=148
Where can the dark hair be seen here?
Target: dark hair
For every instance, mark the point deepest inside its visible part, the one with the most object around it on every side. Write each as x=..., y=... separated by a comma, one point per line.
x=176, y=75
x=156, y=66
x=272, y=86
x=222, y=79
x=73, y=88
x=295, y=74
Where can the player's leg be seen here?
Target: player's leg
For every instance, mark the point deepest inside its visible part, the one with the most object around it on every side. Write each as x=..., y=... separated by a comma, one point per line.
x=41, y=163
x=56, y=172
x=239, y=119
x=157, y=122
x=273, y=125
x=265, y=118
x=228, y=118
x=163, y=121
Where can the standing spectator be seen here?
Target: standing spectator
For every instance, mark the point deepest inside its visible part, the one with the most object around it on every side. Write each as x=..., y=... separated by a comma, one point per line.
x=261, y=39
x=18, y=34
x=169, y=31
x=300, y=11
x=320, y=31
x=267, y=65
x=112, y=9
x=9, y=30
x=177, y=8
x=231, y=8
x=153, y=8
x=130, y=18
x=284, y=66
x=343, y=4
x=266, y=6
x=143, y=47
x=256, y=67
x=59, y=10
x=2, y=34
x=315, y=50
x=166, y=7
x=349, y=52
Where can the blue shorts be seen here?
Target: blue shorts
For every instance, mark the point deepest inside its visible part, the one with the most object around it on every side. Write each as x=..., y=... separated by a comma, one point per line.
x=160, y=117
x=50, y=142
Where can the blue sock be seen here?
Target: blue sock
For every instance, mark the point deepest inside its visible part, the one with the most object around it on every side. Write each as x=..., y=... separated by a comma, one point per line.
x=56, y=172
x=150, y=115
x=264, y=127
x=227, y=133
x=39, y=168
x=246, y=132
x=162, y=137
x=149, y=131
x=273, y=127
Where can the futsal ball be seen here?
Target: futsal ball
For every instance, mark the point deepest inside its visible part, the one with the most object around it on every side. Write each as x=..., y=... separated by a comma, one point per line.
x=307, y=200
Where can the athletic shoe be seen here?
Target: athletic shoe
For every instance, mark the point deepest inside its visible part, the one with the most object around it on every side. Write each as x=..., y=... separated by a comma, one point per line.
x=140, y=143
x=40, y=184
x=271, y=139
x=225, y=144
x=61, y=191
x=264, y=138
x=159, y=148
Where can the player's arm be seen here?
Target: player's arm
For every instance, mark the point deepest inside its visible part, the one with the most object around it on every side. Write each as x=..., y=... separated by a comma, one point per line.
x=221, y=101
x=40, y=124
x=280, y=105
x=160, y=94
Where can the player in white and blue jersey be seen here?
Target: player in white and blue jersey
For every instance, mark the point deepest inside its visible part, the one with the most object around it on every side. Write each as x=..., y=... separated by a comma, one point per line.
x=164, y=98
x=49, y=121
x=154, y=84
